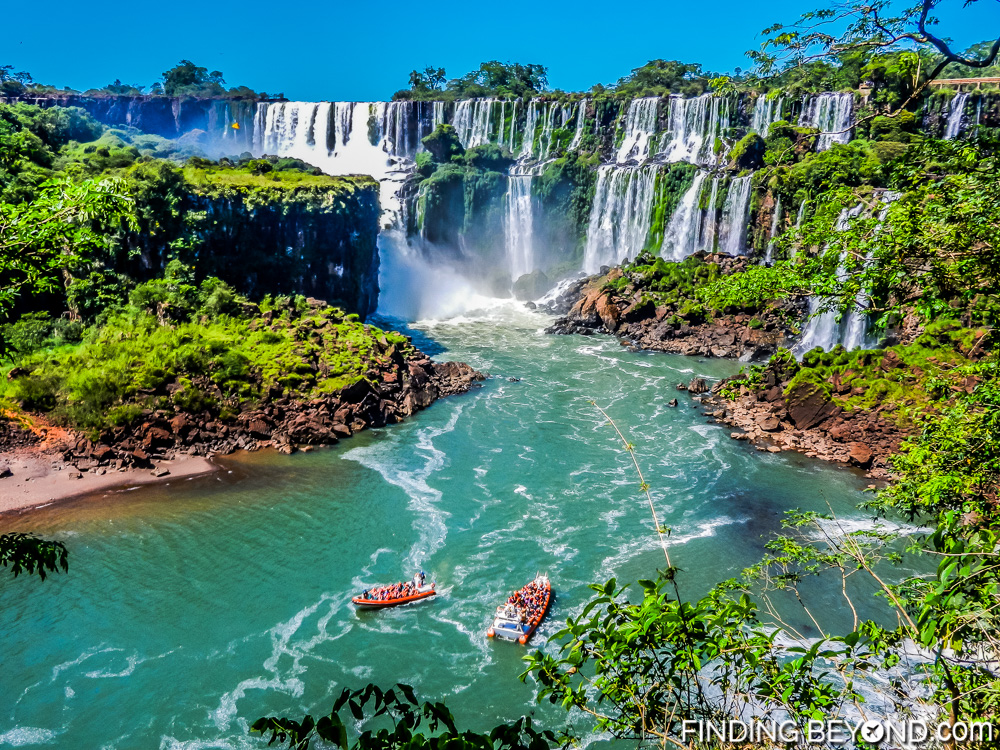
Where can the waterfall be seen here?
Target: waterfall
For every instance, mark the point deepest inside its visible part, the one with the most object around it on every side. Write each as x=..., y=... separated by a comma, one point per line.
x=472, y=121
x=800, y=215
x=321, y=134
x=683, y=234
x=530, y=126
x=691, y=230
x=766, y=111
x=518, y=227
x=823, y=329
x=640, y=127
x=692, y=127
x=620, y=216
x=775, y=217
x=856, y=330
x=581, y=115
x=956, y=112
x=711, y=227
x=832, y=114
x=732, y=236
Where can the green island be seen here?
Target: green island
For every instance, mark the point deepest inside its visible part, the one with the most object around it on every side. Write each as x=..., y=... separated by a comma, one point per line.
x=707, y=359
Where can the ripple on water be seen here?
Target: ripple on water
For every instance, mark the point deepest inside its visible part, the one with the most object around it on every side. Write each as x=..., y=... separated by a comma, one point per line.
x=242, y=587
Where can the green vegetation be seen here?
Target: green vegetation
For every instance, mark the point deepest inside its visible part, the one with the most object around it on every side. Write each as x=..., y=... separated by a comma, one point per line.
x=660, y=78
x=493, y=78
x=184, y=79
x=180, y=345
x=414, y=726
x=671, y=184
x=26, y=553
x=123, y=214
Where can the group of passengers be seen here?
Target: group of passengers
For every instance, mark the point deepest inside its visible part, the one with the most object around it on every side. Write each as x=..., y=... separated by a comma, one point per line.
x=526, y=604
x=395, y=590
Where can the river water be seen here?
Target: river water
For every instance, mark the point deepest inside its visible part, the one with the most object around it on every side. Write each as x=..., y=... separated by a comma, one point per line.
x=192, y=608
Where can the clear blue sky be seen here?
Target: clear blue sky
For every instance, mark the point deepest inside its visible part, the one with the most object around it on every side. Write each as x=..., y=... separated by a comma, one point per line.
x=365, y=49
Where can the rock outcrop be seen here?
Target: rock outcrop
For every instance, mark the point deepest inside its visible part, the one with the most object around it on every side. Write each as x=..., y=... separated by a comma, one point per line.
x=780, y=414
x=617, y=302
x=388, y=395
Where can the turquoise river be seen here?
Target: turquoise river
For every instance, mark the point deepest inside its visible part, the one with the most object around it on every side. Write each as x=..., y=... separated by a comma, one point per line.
x=191, y=608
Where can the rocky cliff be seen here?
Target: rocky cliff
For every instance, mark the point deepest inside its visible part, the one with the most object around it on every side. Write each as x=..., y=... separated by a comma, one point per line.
x=653, y=305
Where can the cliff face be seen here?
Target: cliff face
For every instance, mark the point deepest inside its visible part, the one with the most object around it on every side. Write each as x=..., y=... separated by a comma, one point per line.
x=314, y=236
x=299, y=243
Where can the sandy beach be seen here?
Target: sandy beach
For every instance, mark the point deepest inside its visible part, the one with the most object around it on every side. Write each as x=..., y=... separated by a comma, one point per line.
x=42, y=478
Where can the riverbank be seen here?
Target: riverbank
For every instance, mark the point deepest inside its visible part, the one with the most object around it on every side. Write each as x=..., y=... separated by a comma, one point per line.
x=41, y=463
x=38, y=479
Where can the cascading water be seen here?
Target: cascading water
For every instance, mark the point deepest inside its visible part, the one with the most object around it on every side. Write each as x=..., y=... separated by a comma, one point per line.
x=383, y=140
x=692, y=128
x=621, y=215
x=581, y=116
x=823, y=329
x=519, y=222
x=328, y=135
x=683, y=234
x=472, y=121
x=856, y=329
x=766, y=112
x=693, y=230
x=832, y=114
x=732, y=235
x=956, y=114
x=775, y=218
x=640, y=128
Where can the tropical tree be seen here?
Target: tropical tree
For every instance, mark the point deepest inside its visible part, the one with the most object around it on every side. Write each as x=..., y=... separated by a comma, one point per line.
x=871, y=30
x=186, y=78
x=26, y=553
x=62, y=225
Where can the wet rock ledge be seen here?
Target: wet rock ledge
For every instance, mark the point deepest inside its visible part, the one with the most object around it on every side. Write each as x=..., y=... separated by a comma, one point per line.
x=652, y=309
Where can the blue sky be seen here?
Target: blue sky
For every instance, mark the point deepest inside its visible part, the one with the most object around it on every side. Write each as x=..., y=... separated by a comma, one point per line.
x=365, y=50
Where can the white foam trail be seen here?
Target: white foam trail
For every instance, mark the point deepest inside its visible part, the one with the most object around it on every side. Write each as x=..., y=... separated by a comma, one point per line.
x=23, y=736
x=386, y=459
x=280, y=635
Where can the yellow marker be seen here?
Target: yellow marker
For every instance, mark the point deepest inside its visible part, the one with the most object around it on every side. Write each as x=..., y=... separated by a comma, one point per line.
x=236, y=126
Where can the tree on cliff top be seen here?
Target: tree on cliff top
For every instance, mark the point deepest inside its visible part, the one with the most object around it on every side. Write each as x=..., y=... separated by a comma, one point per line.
x=659, y=77
x=501, y=79
x=431, y=79
x=186, y=78
x=871, y=30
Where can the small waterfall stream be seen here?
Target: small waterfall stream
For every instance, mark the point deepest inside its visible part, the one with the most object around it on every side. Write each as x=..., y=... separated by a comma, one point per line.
x=956, y=116
x=640, y=129
x=766, y=111
x=732, y=232
x=683, y=234
x=775, y=218
x=519, y=221
x=824, y=330
x=832, y=114
x=693, y=126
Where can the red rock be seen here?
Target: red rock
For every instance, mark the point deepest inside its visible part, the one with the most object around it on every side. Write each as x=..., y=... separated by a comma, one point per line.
x=768, y=423
x=860, y=455
x=180, y=424
x=608, y=312
x=808, y=406
x=259, y=428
